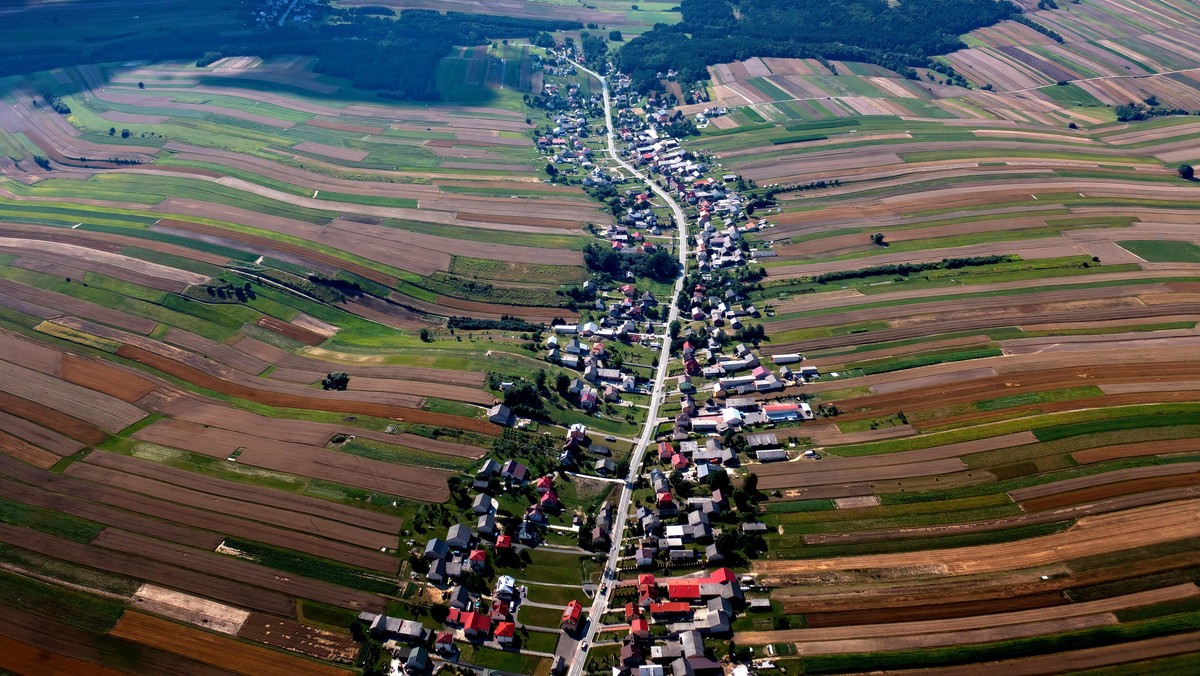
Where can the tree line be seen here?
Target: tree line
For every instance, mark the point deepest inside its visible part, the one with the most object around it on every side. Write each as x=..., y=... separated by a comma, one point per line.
x=899, y=38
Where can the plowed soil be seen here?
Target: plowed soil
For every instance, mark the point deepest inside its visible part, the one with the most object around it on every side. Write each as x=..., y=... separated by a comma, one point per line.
x=215, y=649
x=940, y=611
x=292, y=331
x=51, y=419
x=299, y=638
x=110, y=380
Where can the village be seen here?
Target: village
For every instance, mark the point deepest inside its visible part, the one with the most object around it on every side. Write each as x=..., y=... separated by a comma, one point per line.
x=675, y=598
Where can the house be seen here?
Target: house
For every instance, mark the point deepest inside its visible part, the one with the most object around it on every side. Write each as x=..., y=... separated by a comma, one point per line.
x=476, y=625
x=571, y=616
x=754, y=527
x=500, y=414
x=444, y=643
x=535, y=513
x=550, y=500
x=438, y=572
x=527, y=532
x=697, y=665
x=781, y=412
x=692, y=643
x=482, y=504
x=786, y=358
x=477, y=559
x=514, y=471
x=505, y=633
x=761, y=440
x=679, y=461
x=436, y=549
x=639, y=628
x=506, y=587
x=713, y=555
x=605, y=466
x=459, y=536
x=771, y=455
x=544, y=484
x=490, y=468
x=458, y=597
x=486, y=524
x=414, y=659
x=503, y=543
x=670, y=608
x=644, y=556
x=665, y=451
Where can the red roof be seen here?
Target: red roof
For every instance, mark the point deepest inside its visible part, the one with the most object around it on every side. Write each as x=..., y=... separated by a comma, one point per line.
x=504, y=542
x=476, y=621
x=639, y=625
x=444, y=638
x=477, y=555
x=668, y=607
x=545, y=482
x=506, y=629
x=722, y=575
x=550, y=498
x=646, y=578
x=632, y=611
x=664, y=497
x=781, y=407
x=573, y=611
x=679, y=461
x=689, y=589
x=454, y=616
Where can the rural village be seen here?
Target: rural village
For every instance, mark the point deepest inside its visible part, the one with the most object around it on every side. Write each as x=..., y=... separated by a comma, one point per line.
x=566, y=337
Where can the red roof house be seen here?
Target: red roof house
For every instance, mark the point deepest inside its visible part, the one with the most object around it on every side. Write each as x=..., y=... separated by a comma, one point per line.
x=506, y=632
x=475, y=624
x=571, y=616
x=504, y=542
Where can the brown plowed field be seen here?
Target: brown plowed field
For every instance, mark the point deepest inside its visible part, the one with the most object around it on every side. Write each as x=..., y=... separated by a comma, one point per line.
x=1075, y=660
x=140, y=567
x=249, y=493
x=281, y=359
x=30, y=661
x=23, y=450
x=407, y=387
x=288, y=330
x=1093, y=480
x=953, y=626
x=103, y=241
x=118, y=518
x=300, y=638
x=307, y=524
x=113, y=381
x=940, y=611
x=215, y=649
x=202, y=379
x=51, y=419
x=405, y=480
x=1128, y=529
x=341, y=126
x=31, y=355
x=53, y=153
x=518, y=220
x=1112, y=490
x=38, y=435
x=875, y=473
x=986, y=322
x=237, y=569
x=214, y=350
x=291, y=249
x=1102, y=453
x=104, y=411
x=192, y=408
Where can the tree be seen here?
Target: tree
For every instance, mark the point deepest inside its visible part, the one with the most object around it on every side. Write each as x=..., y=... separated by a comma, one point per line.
x=424, y=335
x=112, y=131
x=1186, y=172
x=338, y=380
x=141, y=85
x=124, y=133
x=551, y=170
x=615, y=36
x=562, y=383
x=540, y=379
x=877, y=239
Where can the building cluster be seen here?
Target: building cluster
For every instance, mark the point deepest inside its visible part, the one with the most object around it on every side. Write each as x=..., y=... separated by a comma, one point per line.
x=690, y=609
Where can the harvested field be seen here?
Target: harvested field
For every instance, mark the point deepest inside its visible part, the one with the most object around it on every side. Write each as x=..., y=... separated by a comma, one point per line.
x=1141, y=486
x=235, y=569
x=26, y=452
x=34, y=661
x=341, y=126
x=213, y=649
x=1103, y=453
x=288, y=330
x=38, y=435
x=293, y=636
x=189, y=609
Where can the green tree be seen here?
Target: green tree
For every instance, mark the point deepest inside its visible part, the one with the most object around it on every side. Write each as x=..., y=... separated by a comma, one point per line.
x=124, y=133
x=1186, y=172
x=615, y=36
x=424, y=335
x=338, y=380
x=551, y=170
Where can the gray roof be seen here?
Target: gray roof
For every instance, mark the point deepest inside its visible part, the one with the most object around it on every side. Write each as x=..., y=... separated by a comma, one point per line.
x=436, y=549
x=459, y=535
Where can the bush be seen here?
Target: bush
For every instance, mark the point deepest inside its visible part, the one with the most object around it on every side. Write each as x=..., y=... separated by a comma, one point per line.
x=338, y=380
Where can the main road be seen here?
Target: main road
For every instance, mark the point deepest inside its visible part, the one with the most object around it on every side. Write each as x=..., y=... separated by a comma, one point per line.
x=609, y=575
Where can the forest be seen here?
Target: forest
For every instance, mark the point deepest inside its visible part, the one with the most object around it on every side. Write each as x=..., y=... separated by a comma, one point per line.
x=900, y=37
x=396, y=56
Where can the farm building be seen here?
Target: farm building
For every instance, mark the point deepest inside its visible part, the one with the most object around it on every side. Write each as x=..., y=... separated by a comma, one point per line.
x=771, y=455
x=786, y=358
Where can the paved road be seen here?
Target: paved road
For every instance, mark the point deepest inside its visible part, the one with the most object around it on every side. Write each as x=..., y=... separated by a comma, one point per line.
x=600, y=603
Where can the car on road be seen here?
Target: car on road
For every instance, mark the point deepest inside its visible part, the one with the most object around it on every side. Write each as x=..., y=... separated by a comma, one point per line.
x=610, y=438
